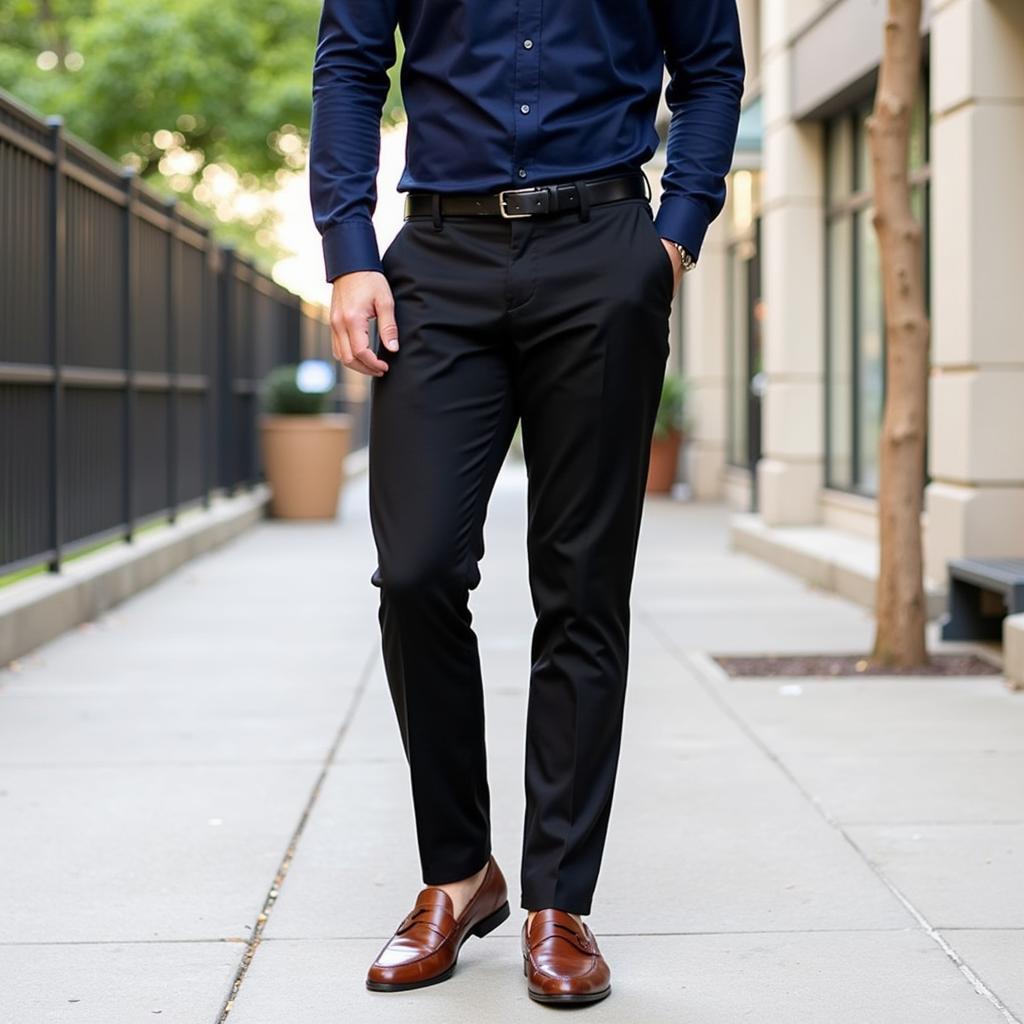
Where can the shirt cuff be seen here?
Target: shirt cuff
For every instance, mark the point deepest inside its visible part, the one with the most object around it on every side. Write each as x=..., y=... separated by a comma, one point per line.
x=681, y=220
x=350, y=245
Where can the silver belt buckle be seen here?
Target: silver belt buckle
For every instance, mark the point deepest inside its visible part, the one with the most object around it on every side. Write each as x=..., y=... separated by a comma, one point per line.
x=501, y=202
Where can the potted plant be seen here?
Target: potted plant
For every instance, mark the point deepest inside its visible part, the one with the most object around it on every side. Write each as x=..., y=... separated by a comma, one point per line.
x=304, y=446
x=668, y=435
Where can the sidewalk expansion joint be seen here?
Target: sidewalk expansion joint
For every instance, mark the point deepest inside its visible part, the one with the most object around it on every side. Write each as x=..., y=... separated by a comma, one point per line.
x=274, y=891
x=699, y=933
x=125, y=942
x=701, y=668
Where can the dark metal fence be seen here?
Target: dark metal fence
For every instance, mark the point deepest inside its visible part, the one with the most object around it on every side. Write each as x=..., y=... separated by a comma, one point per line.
x=131, y=349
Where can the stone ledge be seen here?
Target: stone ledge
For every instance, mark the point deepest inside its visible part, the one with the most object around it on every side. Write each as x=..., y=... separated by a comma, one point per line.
x=1013, y=650
x=826, y=557
x=40, y=608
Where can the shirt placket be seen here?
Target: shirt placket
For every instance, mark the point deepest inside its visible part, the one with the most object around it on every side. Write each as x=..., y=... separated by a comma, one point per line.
x=526, y=90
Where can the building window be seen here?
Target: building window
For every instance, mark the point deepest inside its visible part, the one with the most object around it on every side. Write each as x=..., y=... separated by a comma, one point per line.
x=744, y=318
x=855, y=329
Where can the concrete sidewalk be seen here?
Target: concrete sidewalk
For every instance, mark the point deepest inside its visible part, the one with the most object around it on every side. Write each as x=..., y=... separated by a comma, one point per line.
x=220, y=755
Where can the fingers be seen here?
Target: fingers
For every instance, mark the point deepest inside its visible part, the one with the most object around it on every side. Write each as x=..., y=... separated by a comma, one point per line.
x=339, y=340
x=387, y=327
x=347, y=353
x=341, y=347
x=356, y=298
x=358, y=327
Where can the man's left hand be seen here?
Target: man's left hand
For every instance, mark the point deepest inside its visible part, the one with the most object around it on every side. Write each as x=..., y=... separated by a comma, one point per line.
x=677, y=262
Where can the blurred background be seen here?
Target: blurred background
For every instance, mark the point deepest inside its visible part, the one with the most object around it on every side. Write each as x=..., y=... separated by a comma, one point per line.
x=843, y=839
x=214, y=112
x=784, y=331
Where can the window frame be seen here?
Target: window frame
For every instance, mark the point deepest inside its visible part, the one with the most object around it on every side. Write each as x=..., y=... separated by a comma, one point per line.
x=854, y=205
x=743, y=247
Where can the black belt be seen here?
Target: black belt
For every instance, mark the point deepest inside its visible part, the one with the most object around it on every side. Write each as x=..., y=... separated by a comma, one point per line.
x=511, y=203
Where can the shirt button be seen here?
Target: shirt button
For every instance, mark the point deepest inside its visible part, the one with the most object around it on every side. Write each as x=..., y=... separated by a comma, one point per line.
x=522, y=172
x=525, y=108
x=528, y=43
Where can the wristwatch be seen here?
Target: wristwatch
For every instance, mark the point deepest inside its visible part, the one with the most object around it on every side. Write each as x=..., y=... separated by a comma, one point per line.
x=688, y=261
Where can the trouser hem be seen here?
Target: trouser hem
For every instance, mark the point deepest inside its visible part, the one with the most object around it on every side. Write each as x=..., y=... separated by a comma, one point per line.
x=444, y=873
x=548, y=901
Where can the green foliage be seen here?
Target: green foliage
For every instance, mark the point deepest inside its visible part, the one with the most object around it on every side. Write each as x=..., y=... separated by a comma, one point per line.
x=231, y=82
x=672, y=407
x=239, y=70
x=282, y=397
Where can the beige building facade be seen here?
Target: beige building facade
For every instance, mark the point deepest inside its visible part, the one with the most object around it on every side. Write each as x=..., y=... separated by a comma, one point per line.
x=781, y=329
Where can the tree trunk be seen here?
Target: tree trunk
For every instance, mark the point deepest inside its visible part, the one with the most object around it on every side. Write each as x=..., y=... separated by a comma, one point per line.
x=54, y=29
x=900, y=603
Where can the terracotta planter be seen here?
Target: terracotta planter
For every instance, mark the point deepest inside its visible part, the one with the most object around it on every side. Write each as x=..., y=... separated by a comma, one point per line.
x=303, y=457
x=661, y=473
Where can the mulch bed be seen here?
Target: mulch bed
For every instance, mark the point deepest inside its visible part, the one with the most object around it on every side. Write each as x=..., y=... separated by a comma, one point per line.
x=801, y=665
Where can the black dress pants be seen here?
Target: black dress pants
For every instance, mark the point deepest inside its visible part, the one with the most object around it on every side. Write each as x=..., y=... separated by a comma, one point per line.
x=559, y=322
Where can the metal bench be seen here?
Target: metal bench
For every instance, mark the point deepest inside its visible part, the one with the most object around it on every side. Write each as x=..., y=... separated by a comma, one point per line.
x=982, y=592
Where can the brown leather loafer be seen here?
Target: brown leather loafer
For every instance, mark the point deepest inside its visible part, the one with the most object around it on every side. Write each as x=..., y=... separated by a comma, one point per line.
x=425, y=948
x=561, y=960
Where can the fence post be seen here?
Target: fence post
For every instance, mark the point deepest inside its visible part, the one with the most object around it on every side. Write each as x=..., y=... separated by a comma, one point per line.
x=294, y=345
x=207, y=367
x=246, y=349
x=58, y=327
x=129, y=184
x=172, y=284
x=226, y=369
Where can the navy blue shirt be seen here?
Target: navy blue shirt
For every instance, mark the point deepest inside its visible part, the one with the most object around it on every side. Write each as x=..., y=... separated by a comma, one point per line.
x=512, y=93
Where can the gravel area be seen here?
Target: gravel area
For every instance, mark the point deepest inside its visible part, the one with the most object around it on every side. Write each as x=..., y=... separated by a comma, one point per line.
x=803, y=665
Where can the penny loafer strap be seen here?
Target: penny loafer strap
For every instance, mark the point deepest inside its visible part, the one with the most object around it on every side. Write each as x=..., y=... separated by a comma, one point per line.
x=436, y=917
x=553, y=930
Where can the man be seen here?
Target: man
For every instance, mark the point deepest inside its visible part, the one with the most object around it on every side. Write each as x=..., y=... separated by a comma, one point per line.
x=529, y=284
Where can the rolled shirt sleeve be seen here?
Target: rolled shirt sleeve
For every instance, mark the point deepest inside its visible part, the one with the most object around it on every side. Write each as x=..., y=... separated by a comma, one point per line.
x=704, y=58
x=355, y=48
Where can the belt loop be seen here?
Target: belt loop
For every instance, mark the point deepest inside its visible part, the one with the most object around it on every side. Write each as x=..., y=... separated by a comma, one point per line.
x=581, y=194
x=435, y=204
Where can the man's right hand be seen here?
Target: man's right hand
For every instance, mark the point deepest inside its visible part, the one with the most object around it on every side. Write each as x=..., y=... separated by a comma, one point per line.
x=358, y=298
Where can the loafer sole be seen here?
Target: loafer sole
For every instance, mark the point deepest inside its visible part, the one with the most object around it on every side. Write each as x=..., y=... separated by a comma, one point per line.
x=564, y=998
x=570, y=998
x=480, y=929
